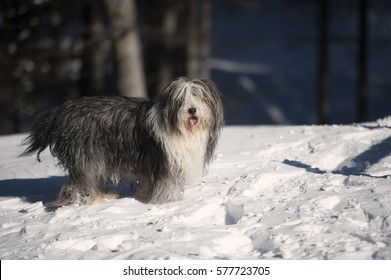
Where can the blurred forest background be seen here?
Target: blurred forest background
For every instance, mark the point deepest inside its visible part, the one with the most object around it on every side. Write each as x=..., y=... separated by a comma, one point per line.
x=275, y=61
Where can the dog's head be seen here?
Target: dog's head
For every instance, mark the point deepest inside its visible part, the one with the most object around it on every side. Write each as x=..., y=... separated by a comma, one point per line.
x=188, y=106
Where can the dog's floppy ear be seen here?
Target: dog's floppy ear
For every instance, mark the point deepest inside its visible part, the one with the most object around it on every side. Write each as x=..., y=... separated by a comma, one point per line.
x=217, y=105
x=170, y=102
x=213, y=100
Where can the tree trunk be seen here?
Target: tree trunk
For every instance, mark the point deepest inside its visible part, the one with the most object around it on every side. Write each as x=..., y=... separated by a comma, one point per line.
x=323, y=60
x=122, y=16
x=362, y=86
x=198, y=46
x=93, y=72
x=166, y=26
x=177, y=35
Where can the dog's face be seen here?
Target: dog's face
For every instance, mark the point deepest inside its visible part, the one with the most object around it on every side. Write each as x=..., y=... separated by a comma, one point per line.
x=190, y=105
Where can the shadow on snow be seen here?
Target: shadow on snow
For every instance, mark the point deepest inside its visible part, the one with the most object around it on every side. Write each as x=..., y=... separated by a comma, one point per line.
x=360, y=162
x=33, y=189
x=46, y=189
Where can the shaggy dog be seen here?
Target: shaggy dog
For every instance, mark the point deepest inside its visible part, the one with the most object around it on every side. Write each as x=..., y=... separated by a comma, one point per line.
x=161, y=144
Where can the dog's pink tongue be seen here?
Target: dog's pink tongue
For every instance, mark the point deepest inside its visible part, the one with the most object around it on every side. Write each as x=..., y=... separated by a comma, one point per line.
x=193, y=120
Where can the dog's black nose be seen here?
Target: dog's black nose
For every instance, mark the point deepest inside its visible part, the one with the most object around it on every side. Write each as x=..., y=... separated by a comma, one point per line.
x=192, y=111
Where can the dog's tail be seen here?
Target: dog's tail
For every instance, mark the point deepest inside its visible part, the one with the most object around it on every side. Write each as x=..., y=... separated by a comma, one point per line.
x=41, y=133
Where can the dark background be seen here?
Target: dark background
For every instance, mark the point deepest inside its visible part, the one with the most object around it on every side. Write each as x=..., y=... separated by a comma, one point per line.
x=275, y=61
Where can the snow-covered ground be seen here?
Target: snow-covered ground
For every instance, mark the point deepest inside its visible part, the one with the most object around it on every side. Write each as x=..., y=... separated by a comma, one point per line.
x=290, y=192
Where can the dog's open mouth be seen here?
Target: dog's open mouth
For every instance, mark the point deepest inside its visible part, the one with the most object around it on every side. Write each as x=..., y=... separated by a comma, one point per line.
x=193, y=121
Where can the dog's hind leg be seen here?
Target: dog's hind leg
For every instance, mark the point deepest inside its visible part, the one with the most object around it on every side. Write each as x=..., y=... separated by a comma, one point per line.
x=80, y=190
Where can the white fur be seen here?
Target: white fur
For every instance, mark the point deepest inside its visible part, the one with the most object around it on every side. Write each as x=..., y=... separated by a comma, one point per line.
x=186, y=151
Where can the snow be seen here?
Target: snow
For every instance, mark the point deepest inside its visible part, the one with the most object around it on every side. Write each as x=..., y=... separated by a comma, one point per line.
x=273, y=192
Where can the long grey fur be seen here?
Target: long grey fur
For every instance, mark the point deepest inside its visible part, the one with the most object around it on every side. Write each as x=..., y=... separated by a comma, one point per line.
x=155, y=143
